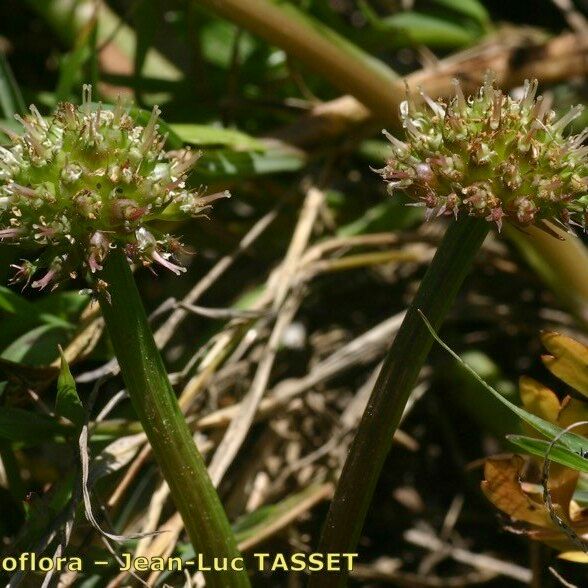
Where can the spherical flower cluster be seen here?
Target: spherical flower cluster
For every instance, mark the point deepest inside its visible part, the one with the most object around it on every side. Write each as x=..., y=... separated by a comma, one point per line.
x=491, y=156
x=88, y=180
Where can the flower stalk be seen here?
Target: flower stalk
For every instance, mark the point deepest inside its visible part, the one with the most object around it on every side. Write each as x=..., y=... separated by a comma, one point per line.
x=396, y=381
x=485, y=160
x=157, y=407
x=87, y=192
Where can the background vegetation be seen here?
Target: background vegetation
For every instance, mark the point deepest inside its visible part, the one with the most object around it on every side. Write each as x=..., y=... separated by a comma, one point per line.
x=295, y=286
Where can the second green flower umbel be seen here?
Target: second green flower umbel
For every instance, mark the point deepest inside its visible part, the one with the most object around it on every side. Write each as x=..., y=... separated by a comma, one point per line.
x=491, y=156
x=484, y=160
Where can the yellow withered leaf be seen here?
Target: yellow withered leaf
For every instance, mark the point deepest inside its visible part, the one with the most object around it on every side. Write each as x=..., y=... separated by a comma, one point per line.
x=539, y=399
x=568, y=360
x=573, y=411
x=503, y=488
x=575, y=556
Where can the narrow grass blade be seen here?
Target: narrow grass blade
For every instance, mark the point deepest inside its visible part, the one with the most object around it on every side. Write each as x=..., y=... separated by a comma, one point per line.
x=11, y=100
x=558, y=453
x=573, y=442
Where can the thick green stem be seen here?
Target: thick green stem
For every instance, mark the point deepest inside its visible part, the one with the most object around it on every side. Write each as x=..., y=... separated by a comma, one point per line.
x=157, y=408
x=392, y=389
x=321, y=48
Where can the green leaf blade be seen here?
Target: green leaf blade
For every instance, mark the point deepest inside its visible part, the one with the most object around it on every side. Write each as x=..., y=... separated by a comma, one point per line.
x=24, y=426
x=575, y=443
x=68, y=403
x=11, y=100
x=558, y=453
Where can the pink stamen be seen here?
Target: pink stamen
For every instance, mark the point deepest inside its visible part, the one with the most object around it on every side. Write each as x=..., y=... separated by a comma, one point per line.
x=45, y=280
x=177, y=269
x=10, y=233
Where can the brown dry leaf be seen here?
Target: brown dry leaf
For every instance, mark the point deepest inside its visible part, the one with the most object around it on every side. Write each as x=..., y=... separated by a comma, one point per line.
x=543, y=402
x=577, y=512
x=83, y=343
x=524, y=502
x=556, y=538
x=562, y=484
x=502, y=487
x=568, y=360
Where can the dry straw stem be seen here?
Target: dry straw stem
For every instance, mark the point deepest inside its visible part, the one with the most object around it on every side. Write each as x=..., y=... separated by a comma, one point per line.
x=376, y=88
x=286, y=305
x=166, y=331
x=485, y=567
x=362, y=350
x=514, y=57
x=476, y=560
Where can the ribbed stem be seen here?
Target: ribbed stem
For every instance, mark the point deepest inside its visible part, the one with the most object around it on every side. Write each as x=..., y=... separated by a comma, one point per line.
x=157, y=408
x=392, y=389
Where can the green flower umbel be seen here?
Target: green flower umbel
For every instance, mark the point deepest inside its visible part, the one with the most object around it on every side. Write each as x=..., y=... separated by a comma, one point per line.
x=491, y=156
x=86, y=181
